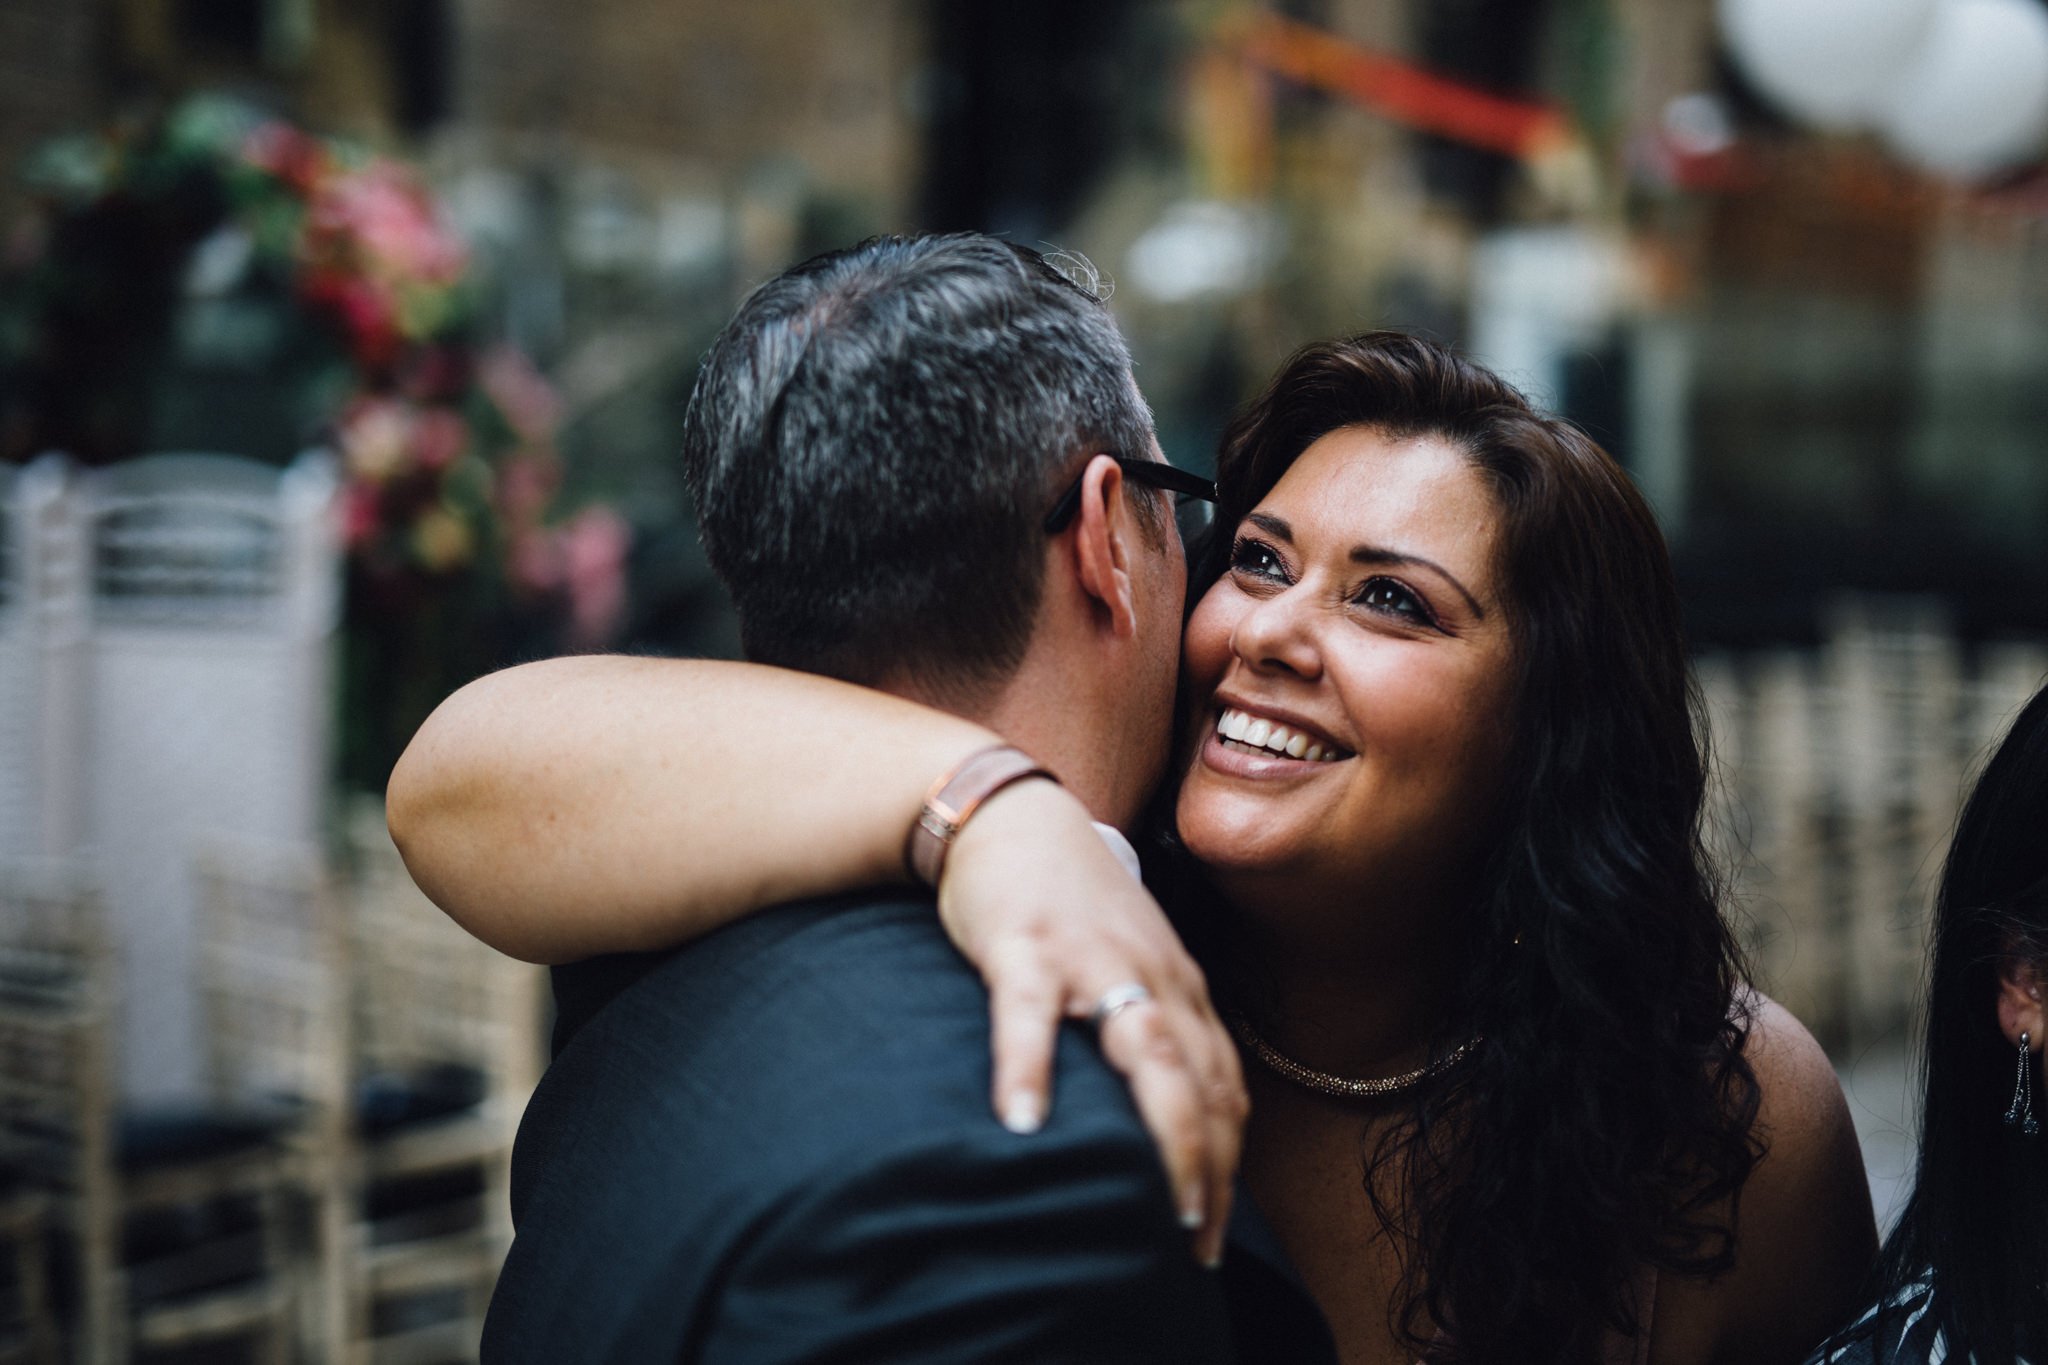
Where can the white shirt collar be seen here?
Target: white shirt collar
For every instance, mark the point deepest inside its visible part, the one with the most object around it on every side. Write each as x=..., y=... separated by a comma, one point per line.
x=1121, y=847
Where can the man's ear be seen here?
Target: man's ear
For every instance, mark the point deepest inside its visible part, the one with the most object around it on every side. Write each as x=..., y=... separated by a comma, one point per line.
x=2020, y=1008
x=1102, y=543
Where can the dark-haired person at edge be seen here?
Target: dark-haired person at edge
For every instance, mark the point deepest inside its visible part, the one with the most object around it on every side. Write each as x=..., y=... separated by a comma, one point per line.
x=1965, y=1272
x=1432, y=831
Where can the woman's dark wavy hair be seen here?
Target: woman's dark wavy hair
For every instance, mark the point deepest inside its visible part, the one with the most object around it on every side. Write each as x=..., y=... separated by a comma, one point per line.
x=1973, y=1227
x=1605, y=1122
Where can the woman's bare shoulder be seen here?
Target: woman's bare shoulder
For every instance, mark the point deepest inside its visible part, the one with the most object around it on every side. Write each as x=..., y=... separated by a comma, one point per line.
x=1804, y=1235
x=1801, y=1094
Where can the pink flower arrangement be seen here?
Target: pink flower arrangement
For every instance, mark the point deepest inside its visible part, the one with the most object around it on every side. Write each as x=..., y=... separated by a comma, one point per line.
x=456, y=545
x=371, y=252
x=449, y=453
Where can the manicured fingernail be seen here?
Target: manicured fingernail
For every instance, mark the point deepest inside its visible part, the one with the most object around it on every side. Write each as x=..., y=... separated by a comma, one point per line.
x=1023, y=1113
x=1214, y=1260
x=1191, y=1206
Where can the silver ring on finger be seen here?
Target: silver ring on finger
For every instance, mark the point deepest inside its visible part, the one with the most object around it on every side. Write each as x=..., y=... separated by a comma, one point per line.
x=1116, y=1000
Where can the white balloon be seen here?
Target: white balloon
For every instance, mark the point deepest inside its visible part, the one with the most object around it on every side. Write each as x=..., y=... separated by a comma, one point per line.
x=1975, y=102
x=1827, y=62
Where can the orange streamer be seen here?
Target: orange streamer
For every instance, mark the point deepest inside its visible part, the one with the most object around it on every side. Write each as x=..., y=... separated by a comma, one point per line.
x=1401, y=91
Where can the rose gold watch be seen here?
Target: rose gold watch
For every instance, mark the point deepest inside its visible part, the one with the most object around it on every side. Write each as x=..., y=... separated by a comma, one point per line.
x=953, y=800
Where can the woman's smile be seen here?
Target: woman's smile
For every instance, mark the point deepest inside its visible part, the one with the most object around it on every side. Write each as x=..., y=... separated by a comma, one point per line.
x=1269, y=743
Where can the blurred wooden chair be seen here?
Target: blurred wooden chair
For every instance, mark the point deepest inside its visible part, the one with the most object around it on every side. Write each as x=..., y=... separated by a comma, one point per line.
x=183, y=1217
x=57, y=1135
x=273, y=971
x=171, y=1215
x=28, y=1322
x=447, y=1043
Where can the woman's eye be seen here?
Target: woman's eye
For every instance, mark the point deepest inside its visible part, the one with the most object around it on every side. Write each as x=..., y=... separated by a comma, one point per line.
x=1257, y=559
x=1386, y=595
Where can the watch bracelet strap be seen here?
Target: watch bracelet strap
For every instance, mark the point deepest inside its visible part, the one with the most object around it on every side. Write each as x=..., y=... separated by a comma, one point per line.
x=953, y=800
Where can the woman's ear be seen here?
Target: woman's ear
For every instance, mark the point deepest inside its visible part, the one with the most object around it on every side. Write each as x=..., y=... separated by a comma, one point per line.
x=2020, y=1008
x=1102, y=548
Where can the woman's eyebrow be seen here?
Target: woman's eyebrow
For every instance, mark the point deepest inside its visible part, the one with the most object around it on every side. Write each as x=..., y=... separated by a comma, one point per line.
x=1375, y=556
x=1272, y=526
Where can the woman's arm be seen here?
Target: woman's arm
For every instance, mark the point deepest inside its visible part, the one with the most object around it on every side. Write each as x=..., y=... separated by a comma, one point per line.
x=609, y=804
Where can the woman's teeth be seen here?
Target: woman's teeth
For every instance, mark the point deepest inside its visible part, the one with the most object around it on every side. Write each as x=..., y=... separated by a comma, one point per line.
x=1253, y=735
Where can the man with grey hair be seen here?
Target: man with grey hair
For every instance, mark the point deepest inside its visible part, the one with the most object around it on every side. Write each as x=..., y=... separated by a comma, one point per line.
x=920, y=464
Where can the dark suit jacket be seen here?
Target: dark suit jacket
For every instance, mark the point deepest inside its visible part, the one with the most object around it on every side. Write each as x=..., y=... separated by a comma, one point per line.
x=777, y=1145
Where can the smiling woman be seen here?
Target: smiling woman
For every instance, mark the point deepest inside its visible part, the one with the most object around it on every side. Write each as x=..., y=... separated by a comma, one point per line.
x=1488, y=905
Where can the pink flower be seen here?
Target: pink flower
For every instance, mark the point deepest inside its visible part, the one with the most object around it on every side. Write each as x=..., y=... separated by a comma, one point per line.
x=526, y=484
x=529, y=403
x=439, y=437
x=293, y=156
x=594, y=546
x=360, y=517
x=365, y=312
x=384, y=220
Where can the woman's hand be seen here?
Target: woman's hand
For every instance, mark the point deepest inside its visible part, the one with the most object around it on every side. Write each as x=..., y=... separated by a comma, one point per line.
x=1035, y=899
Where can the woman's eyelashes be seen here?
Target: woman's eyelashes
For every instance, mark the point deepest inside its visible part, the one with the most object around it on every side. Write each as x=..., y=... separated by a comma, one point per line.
x=1255, y=559
x=1394, y=598
x=1259, y=562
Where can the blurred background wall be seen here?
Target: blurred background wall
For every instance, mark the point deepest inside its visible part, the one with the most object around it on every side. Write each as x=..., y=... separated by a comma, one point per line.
x=1817, y=355
x=453, y=261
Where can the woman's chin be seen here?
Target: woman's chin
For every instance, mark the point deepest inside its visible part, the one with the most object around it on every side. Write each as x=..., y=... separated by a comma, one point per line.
x=1230, y=835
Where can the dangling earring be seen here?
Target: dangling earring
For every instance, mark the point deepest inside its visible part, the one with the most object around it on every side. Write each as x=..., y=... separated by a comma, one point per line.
x=2020, y=1113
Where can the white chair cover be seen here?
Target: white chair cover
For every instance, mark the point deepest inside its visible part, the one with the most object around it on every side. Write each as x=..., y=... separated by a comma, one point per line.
x=42, y=627
x=214, y=593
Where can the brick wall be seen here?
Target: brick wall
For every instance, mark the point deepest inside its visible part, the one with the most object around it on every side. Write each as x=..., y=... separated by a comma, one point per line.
x=49, y=79
x=824, y=84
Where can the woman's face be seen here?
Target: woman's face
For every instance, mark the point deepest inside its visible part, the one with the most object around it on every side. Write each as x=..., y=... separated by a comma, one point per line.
x=1351, y=672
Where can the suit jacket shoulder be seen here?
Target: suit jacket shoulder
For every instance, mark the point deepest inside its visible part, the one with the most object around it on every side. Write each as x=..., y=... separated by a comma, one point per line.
x=777, y=1144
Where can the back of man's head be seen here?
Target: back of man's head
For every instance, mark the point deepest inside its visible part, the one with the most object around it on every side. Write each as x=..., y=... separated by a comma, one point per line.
x=874, y=441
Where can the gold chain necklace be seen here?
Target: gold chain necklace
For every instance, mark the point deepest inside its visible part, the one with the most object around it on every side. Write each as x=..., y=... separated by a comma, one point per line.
x=1344, y=1087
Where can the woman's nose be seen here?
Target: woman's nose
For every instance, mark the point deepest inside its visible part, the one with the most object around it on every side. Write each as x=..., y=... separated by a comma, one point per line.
x=1275, y=634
